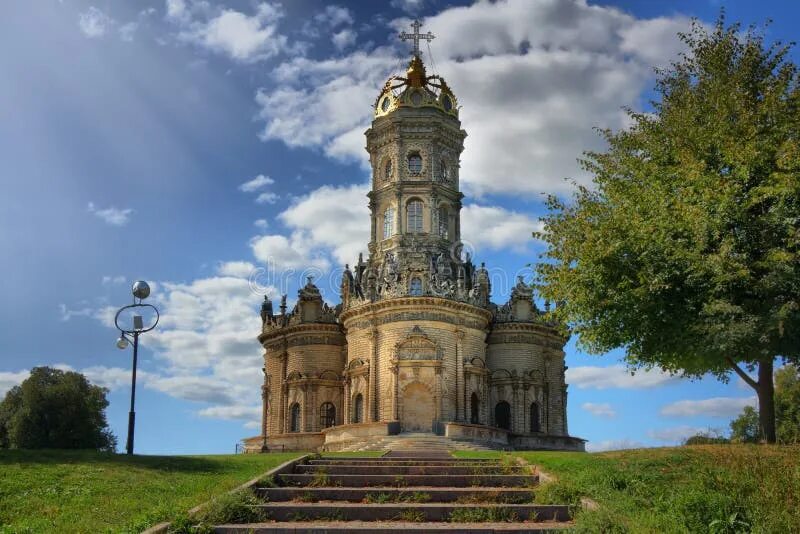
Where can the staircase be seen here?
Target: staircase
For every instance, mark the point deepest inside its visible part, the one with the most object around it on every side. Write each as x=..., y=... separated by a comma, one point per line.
x=418, y=441
x=421, y=488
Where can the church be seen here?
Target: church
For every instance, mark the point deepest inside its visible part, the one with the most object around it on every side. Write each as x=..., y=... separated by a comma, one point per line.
x=416, y=344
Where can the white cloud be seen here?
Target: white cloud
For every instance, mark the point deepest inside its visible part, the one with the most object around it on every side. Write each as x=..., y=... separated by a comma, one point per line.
x=112, y=215
x=335, y=219
x=242, y=37
x=238, y=411
x=94, y=23
x=344, y=38
x=677, y=434
x=613, y=445
x=334, y=16
x=10, y=379
x=600, y=409
x=616, y=376
x=237, y=269
x=259, y=182
x=714, y=407
x=267, y=197
x=109, y=280
x=68, y=313
x=409, y=6
x=497, y=228
x=261, y=224
x=127, y=31
x=534, y=78
x=281, y=254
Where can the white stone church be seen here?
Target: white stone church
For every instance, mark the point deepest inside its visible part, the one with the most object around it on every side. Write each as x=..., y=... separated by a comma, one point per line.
x=416, y=345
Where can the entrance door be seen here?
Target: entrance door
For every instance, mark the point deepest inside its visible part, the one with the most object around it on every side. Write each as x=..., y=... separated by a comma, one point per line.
x=418, y=410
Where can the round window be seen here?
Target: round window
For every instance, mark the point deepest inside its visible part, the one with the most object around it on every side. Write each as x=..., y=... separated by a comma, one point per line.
x=414, y=163
x=385, y=103
x=416, y=98
x=447, y=103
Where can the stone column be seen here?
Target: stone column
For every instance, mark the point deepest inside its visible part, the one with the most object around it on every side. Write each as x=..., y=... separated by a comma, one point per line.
x=515, y=408
x=395, y=392
x=457, y=225
x=283, y=392
x=374, y=216
x=460, y=378
x=346, y=402
x=374, y=375
x=264, y=407
x=401, y=212
x=305, y=422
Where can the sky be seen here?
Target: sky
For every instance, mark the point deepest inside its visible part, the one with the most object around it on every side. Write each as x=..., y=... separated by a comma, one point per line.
x=216, y=150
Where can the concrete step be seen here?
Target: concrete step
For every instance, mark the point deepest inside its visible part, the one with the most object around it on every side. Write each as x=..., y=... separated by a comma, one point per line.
x=394, y=494
x=388, y=527
x=348, y=511
x=348, y=469
x=305, y=479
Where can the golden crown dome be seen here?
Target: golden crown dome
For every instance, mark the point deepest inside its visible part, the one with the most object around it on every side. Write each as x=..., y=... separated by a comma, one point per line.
x=416, y=89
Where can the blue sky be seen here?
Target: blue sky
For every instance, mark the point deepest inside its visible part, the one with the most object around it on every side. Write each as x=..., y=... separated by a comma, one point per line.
x=216, y=150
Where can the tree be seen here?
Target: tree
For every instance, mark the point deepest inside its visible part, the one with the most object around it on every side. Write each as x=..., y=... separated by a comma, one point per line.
x=685, y=250
x=55, y=409
x=745, y=428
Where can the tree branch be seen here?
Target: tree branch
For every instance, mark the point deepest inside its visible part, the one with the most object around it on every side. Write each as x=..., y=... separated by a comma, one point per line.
x=744, y=376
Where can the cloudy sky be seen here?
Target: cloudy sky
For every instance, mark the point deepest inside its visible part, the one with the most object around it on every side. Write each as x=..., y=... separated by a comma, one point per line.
x=216, y=149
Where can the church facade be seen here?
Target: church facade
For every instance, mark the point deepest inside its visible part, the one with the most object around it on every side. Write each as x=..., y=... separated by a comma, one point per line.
x=415, y=345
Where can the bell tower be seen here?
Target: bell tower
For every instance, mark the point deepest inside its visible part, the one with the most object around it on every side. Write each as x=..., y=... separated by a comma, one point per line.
x=415, y=143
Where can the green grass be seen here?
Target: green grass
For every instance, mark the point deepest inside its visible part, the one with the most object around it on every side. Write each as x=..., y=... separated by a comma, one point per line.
x=84, y=491
x=708, y=488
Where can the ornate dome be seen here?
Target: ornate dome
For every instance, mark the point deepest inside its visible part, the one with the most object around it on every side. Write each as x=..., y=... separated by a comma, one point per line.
x=416, y=89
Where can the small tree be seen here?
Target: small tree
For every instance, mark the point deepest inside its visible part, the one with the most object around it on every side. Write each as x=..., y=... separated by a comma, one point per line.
x=686, y=250
x=55, y=409
x=745, y=428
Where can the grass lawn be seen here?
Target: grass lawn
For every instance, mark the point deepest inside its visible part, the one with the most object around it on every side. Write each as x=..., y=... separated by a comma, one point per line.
x=711, y=488
x=83, y=491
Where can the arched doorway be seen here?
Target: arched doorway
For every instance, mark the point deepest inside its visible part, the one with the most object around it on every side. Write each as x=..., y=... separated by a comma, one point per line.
x=358, y=409
x=327, y=415
x=418, y=411
x=535, y=418
x=294, y=421
x=474, y=409
x=502, y=415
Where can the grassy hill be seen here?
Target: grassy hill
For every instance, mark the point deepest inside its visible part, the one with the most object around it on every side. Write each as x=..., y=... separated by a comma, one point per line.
x=83, y=491
x=714, y=488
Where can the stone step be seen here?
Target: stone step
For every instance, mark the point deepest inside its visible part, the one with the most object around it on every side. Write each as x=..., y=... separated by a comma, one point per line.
x=394, y=494
x=398, y=461
x=388, y=527
x=349, y=469
x=348, y=511
x=298, y=479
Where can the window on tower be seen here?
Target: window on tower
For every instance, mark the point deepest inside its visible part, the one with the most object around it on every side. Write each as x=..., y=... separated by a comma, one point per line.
x=444, y=222
x=387, y=170
x=414, y=163
x=444, y=171
x=415, y=287
x=414, y=216
x=388, y=223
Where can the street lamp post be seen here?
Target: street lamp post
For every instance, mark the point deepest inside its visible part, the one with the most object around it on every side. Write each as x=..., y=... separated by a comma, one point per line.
x=140, y=290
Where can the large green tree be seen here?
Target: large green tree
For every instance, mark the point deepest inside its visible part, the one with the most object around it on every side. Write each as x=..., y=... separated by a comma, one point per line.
x=685, y=249
x=745, y=428
x=57, y=410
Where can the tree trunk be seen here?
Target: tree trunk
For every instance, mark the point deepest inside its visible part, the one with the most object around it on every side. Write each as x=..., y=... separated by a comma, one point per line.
x=766, y=400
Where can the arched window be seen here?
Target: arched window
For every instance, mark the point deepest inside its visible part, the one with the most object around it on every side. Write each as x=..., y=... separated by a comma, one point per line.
x=414, y=163
x=327, y=415
x=444, y=221
x=294, y=422
x=388, y=223
x=414, y=216
x=358, y=409
x=444, y=171
x=474, y=409
x=535, y=418
x=415, y=287
x=387, y=170
x=502, y=415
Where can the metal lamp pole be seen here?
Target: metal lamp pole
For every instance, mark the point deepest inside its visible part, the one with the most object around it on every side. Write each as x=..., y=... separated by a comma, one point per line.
x=141, y=290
